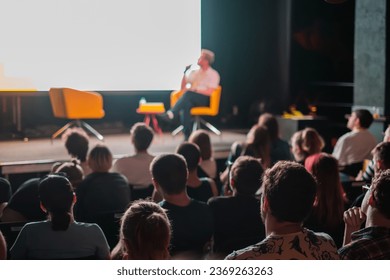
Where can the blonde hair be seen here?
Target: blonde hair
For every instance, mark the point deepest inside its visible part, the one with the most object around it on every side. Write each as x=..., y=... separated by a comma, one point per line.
x=100, y=158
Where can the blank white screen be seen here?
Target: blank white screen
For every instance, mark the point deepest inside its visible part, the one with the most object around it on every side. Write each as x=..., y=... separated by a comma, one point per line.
x=98, y=44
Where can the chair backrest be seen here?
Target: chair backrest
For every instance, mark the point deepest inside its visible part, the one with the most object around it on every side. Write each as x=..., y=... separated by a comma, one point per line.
x=76, y=104
x=213, y=109
x=11, y=231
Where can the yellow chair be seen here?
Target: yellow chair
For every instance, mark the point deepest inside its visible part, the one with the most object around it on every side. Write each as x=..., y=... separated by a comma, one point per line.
x=197, y=112
x=75, y=105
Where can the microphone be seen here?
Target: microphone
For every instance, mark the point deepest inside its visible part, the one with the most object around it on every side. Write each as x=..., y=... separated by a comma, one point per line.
x=187, y=67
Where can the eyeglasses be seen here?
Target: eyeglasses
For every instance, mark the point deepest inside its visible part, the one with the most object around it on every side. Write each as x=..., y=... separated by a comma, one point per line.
x=366, y=187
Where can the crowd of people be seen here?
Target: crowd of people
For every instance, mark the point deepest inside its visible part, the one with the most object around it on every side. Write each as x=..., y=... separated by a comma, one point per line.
x=274, y=200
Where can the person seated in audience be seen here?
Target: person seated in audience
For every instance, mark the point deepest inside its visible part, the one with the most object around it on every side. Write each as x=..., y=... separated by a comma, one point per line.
x=77, y=144
x=280, y=150
x=237, y=218
x=197, y=188
x=306, y=142
x=330, y=202
x=101, y=192
x=192, y=220
x=373, y=241
x=369, y=172
x=24, y=204
x=5, y=194
x=60, y=236
x=3, y=247
x=145, y=233
x=257, y=144
x=136, y=167
x=354, y=147
x=288, y=196
x=208, y=165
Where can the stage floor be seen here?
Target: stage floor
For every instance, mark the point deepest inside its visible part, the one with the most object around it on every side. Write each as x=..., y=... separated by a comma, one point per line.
x=37, y=155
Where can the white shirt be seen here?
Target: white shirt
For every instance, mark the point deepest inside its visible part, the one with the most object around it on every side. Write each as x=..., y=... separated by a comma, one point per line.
x=203, y=80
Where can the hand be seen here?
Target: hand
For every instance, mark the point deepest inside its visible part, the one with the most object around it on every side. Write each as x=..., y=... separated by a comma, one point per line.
x=353, y=218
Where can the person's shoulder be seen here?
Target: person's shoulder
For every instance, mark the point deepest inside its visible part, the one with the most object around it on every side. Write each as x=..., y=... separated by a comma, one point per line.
x=251, y=252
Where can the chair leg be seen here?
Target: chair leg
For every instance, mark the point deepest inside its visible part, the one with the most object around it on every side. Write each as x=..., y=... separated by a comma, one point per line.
x=210, y=126
x=177, y=130
x=62, y=129
x=92, y=130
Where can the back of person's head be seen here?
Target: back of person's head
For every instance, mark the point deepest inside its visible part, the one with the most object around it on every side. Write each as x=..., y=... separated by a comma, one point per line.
x=76, y=143
x=145, y=231
x=57, y=197
x=296, y=146
x=312, y=142
x=365, y=117
x=5, y=190
x=208, y=55
x=73, y=171
x=100, y=158
x=201, y=138
x=259, y=143
x=381, y=153
x=290, y=191
x=380, y=189
x=329, y=204
x=191, y=153
x=141, y=136
x=170, y=172
x=246, y=173
x=271, y=123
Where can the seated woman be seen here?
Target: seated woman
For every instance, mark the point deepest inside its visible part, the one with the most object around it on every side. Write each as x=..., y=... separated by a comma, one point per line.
x=101, y=192
x=145, y=233
x=60, y=236
x=305, y=143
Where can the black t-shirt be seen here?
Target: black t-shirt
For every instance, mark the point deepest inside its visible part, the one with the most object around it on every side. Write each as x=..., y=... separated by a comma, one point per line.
x=202, y=192
x=238, y=222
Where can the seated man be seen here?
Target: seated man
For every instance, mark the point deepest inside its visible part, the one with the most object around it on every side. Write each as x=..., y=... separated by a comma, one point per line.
x=237, y=218
x=373, y=241
x=136, y=167
x=192, y=221
x=288, y=195
x=355, y=146
x=198, y=86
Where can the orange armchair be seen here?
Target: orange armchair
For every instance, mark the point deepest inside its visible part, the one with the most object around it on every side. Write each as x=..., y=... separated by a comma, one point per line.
x=75, y=105
x=197, y=112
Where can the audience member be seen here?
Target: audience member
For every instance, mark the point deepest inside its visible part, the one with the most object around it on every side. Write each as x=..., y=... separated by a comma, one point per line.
x=288, y=196
x=5, y=194
x=136, y=167
x=24, y=204
x=373, y=241
x=101, y=192
x=330, y=202
x=355, y=146
x=208, y=165
x=60, y=236
x=306, y=142
x=3, y=247
x=192, y=221
x=197, y=188
x=280, y=150
x=237, y=218
x=145, y=233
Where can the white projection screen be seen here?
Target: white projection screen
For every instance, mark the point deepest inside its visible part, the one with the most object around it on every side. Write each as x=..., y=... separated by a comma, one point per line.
x=104, y=45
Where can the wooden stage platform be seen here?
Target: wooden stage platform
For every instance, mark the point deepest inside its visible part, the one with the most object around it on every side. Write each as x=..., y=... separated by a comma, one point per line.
x=38, y=155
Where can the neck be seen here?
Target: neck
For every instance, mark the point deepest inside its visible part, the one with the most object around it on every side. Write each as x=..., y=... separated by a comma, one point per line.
x=358, y=129
x=376, y=219
x=205, y=67
x=193, y=179
x=275, y=227
x=180, y=199
x=141, y=151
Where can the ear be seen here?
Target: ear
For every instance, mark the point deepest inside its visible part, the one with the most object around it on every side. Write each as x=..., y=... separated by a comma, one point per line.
x=156, y=185
x=42, y=207
x=74, y=198
x=371, y=200
x=232, y=183
x=380, y=165
x=264, y=204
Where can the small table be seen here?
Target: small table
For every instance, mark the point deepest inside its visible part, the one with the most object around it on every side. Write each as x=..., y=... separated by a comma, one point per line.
x=150, y=110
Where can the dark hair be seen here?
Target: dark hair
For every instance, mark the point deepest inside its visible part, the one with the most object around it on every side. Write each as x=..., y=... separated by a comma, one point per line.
x=201, y=138
x=73, y=171
x=141, y=136
x=271, y=123
x=365, y=117
x=5, y=190
x=330, y=202
x=312, y=141
x=146, y=230
x=380, y=189
x=382, y=152
x=56, y=195
x=100, y=158
x=191, y=153
x=258, y=144
x=170, y=172
x=246, y=173
x=290, y=191
x=77, y=144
